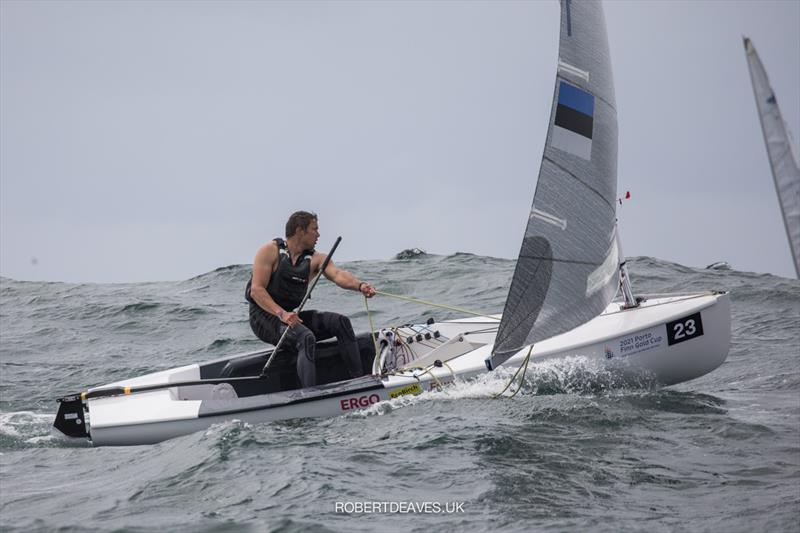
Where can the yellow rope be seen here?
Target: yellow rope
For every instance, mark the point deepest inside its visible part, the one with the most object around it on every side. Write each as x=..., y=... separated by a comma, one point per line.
x=431, y=304
x=524, y=369
x=450, y=369
x=428, y=371
x=372, y=330
x=425, y=370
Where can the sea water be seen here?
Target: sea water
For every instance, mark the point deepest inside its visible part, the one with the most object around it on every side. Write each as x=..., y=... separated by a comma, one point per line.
x=574, y=450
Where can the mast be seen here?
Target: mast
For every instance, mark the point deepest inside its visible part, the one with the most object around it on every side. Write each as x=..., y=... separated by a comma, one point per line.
x=624, y=279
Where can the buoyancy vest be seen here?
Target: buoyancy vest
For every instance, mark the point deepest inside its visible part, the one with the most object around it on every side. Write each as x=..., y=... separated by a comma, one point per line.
x=289, y=282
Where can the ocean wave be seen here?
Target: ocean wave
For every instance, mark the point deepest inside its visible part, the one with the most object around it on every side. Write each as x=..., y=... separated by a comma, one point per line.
x=410, y=253
x=228, y=273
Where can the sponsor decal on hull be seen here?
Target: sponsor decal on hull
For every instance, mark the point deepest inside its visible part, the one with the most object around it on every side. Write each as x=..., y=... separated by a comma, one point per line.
x=415, y=388
x=640, y=342
x=359, y=402
x=437, y=386
x=677, y=331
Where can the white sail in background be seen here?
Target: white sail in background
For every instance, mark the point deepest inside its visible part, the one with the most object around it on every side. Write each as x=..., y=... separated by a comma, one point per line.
x=780, y=151
x=567, y=269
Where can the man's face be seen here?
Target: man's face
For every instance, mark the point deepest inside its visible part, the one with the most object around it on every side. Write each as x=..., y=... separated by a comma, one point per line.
x=310, y=235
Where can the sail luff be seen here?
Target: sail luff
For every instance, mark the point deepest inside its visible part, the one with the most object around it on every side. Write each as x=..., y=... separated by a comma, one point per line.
x=567, y=268
x=782, y=159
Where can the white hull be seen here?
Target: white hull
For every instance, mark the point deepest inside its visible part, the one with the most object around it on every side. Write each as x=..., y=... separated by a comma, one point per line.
x=635, y=341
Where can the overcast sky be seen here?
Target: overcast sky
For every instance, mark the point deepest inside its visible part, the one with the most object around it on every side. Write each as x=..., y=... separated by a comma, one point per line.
x=160, y=140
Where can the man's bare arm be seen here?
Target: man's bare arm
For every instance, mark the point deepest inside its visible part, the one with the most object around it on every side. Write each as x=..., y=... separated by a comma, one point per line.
x=263, y=265
x=345, y=279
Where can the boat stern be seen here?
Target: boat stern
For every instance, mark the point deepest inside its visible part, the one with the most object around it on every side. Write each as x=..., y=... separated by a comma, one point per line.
x=70, y=419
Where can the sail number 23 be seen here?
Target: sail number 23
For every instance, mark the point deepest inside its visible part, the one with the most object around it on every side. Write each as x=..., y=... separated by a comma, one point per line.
x=684, y=329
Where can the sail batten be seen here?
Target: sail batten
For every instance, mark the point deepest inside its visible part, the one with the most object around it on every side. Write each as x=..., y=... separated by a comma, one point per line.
x=780, y=151
x=566, y=271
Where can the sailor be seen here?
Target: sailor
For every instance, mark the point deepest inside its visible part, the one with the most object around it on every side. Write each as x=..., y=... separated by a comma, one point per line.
x=282, y=270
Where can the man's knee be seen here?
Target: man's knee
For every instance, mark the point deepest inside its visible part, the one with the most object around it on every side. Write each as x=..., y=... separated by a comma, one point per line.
x=341, y=326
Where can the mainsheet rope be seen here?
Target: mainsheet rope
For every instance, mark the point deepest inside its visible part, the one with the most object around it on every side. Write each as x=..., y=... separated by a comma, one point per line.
x=432, y=304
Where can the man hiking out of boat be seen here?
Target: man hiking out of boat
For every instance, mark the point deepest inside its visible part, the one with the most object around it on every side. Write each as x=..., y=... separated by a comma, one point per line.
x=282, y=270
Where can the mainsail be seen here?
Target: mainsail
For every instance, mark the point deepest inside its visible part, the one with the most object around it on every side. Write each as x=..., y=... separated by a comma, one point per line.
x=779, y=150
x=567, y=269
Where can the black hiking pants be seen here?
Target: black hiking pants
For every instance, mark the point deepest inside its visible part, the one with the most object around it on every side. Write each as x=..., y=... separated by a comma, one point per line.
x=302, y=339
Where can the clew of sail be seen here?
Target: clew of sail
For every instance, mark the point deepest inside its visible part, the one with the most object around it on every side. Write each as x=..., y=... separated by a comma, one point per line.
x=567, y=269
x=779, y=150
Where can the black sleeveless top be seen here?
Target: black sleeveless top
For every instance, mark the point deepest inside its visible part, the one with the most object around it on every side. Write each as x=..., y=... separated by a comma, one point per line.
x=289, y=282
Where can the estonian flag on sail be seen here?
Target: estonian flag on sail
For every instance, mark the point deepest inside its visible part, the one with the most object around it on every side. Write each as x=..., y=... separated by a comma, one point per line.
x=572, y=129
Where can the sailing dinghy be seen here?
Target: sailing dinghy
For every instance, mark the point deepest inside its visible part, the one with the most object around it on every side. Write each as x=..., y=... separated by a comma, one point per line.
x=559, y=305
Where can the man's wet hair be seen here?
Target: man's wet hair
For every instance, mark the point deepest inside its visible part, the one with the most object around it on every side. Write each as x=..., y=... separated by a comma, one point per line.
x=299, y=220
